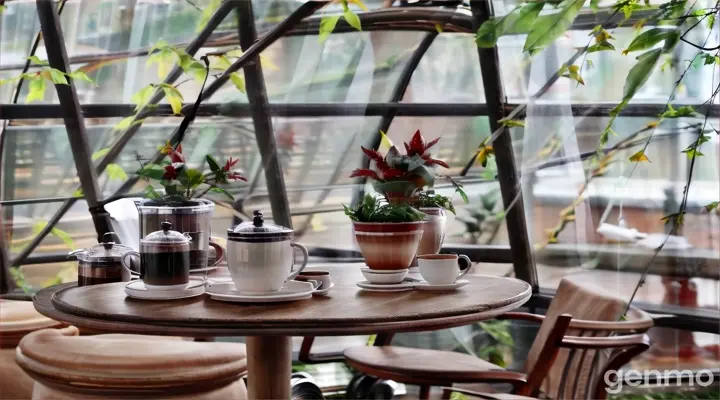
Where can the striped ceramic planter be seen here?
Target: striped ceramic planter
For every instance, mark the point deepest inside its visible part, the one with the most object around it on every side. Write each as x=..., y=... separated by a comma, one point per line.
x=388, y=245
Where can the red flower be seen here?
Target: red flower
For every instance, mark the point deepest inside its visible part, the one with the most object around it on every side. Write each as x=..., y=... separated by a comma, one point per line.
x=176, y=155
x=229, y=164
x=236, y=176
x=365, y=172
x=170, y=173
x=417, y=144
x=286, y=139
x=432, y=161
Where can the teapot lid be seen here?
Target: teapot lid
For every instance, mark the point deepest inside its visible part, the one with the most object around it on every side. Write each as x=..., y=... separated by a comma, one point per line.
x=259, y=231
x=106, y=251
x=166, y=236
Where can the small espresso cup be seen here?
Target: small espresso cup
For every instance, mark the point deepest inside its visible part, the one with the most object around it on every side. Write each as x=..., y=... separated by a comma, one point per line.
x=323, y=277
x=442, y=269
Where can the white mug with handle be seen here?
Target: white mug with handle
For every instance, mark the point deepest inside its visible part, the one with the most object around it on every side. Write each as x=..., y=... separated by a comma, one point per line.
x=442, y=269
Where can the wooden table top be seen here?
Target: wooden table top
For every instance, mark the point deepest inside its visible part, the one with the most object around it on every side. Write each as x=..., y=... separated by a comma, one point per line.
x=346, y=310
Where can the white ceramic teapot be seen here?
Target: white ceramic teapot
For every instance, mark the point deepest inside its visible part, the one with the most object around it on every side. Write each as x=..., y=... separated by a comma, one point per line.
x=260, y=256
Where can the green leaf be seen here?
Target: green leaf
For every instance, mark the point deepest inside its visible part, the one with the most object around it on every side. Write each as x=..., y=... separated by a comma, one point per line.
x=176, y=104
x=57, y=76
x=100, y=153
x=115, y=173
x=212, y=163
x=36, y=89
x=127, y=122
x=675, y=219
x=684, y=111
x=238, y=81
x=151, y=193
x=693, y=152
x=327, y=26
x=2, y=9
x=712, y=206
x=545, y=30
x=191, y=66
x=518, y=21
x=223, y=191
x=159, y=45
x=35, y=60
x=352, y=19
x=81, y=76
x=602, y=46
x=439, y=28
x=191, y=178
x=220, y=62
x=64, y=236
x=649, y=39
x=78, y=193
x=595, y=5
x=637, y=77
x=142, y=96
x=207, y=13
x=710, y=21
x=152, y=171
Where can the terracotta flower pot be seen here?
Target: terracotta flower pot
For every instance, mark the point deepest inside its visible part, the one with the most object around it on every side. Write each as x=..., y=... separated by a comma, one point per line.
x=387, y=246
x=434, y=232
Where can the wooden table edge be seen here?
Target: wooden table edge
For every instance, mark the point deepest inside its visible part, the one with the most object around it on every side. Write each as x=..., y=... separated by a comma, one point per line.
x=43, y=304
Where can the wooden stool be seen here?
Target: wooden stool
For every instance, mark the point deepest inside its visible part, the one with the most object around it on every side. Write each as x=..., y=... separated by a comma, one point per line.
x=118, y=366
x=17, y=319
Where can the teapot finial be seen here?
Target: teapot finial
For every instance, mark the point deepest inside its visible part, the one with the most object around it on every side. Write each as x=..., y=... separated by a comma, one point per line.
x=108, y=243
x=258, y=219
x=166, y=226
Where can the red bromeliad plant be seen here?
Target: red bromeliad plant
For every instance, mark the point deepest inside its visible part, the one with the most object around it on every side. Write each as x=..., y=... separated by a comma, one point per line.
x=182, y=183
x=400, y=177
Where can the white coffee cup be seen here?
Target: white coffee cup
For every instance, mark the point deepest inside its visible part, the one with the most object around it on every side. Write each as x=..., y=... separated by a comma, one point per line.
x=441, y=269
x=322, y=277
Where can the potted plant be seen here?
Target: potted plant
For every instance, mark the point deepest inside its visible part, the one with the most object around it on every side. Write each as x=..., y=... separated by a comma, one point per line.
x=400, y=177
x=434, y=207
x=388, y=234
x=180, y=202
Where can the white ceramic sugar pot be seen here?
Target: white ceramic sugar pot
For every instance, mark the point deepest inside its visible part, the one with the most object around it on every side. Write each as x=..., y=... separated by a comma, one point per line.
x=260, y=255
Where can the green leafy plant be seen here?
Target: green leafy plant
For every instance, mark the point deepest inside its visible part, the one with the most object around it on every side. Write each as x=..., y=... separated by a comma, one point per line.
x=373, y=209
x=181, y=182
x=328, y=23
x=430, y=199
x=37, y=79
x=501, y=342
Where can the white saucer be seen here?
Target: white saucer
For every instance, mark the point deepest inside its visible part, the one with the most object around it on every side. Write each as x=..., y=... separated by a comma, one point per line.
x=136, y=289
x=293, y=290
x=451, y=286
x=394, y=287
x=323, y=292
x=383, y=271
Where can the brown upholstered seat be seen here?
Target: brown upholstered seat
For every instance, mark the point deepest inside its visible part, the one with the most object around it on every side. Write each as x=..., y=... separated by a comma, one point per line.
x=17, y=319
x=121, y=366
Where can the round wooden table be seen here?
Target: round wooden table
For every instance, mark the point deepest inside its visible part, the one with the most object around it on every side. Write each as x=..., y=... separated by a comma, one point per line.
x=347, y=310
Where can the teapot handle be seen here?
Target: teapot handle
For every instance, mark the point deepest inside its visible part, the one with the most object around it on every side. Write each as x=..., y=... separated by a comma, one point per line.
x=304, y=263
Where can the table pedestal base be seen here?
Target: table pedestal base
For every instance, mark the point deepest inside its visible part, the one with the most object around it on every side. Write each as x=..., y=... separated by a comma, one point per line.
x=269, y=360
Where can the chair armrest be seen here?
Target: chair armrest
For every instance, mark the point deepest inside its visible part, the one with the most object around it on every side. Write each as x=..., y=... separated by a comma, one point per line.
x=582, y=342
x=587, y=325
x=447, y=391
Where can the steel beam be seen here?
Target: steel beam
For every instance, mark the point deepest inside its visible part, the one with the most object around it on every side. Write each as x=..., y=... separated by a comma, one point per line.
x=73, y=118
x=258, y=101
x=508, y=176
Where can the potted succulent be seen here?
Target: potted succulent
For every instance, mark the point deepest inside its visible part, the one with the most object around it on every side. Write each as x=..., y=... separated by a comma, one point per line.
x=180, y=201
x=388, y=234
x=434, y=207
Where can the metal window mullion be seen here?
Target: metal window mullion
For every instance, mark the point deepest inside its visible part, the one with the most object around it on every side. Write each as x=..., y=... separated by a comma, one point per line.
x=262, y=121
x=72, y=115
x=508, y=176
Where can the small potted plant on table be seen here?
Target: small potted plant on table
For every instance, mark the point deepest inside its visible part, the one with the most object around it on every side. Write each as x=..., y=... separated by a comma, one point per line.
x=180, y=201
x=388, y=233
x=400, y=178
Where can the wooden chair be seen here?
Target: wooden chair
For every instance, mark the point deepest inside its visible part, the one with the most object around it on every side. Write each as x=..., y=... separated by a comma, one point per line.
x=17, y=319
x=567, y=360
x=119, y=366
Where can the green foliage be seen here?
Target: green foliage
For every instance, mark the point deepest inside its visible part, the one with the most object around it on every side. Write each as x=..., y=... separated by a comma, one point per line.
x=207, y=13
x=223, y=192
x=435, y=200
x=328, y=23
x=19, y=278
x=327, y=26
x=519, y=20
x=684, y=111
x=100, y=154
x=511, y=122
x=238, y=81
x=637, y=77
x=712, y=206
x=55, y=231
x=547, y=28
x=116, y=173
x=652, y=37
x=501, y=340
x=693, y=150
x=639, y=157
x=372, y=209
x=36, y=89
